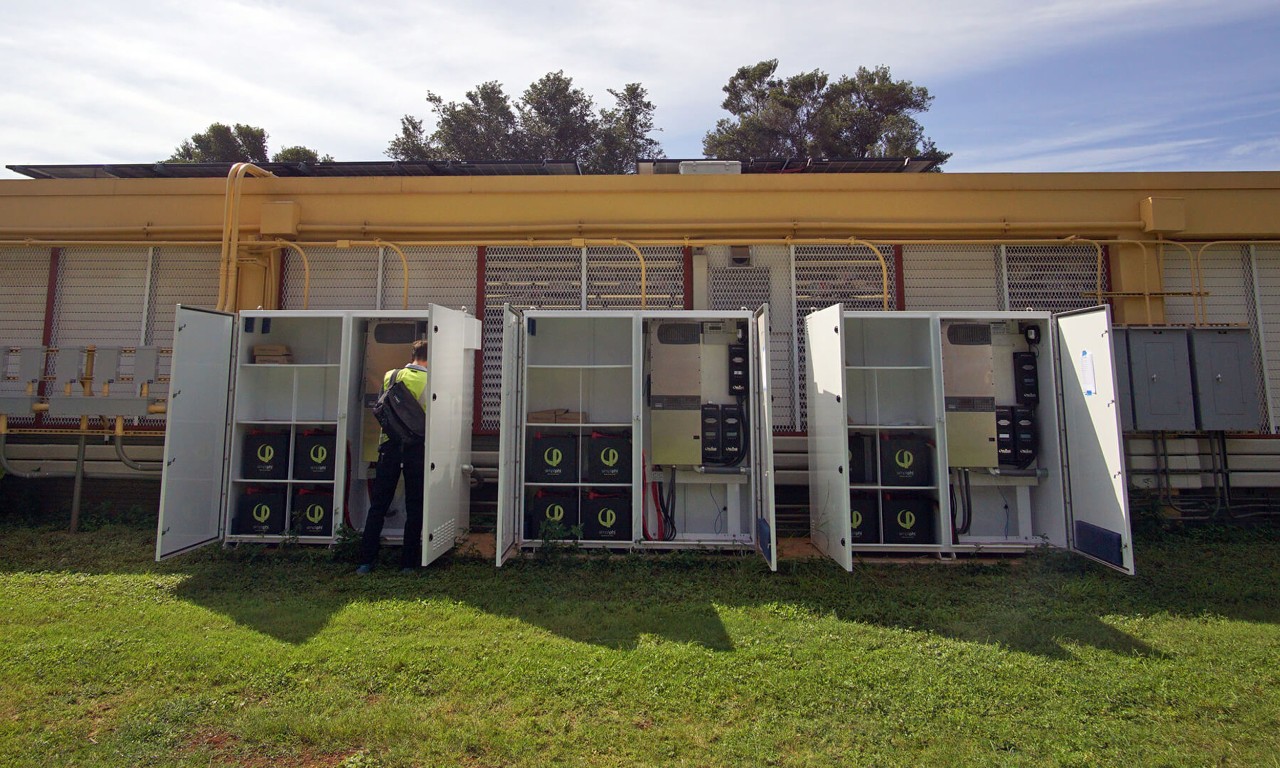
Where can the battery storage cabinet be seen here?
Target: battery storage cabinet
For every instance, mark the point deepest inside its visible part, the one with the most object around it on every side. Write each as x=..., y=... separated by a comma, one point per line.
x=599, y=408
x=259, y=451
x=1016, y=412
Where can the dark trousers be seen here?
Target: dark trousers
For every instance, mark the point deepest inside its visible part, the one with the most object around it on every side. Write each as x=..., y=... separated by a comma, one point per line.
x=393, y=458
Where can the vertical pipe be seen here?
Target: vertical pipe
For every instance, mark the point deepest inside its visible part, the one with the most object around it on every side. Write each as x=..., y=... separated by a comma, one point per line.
x=797, y=327
x=1260, y=337
x=477, y=388
x=900, y=287
x=79, y=483
x=1003, y=258
x=146, y=297
x=582, y=278
x=687, y=255
x=382, y=275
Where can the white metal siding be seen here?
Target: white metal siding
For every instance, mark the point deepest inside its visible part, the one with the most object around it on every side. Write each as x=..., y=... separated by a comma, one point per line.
x=22, y=298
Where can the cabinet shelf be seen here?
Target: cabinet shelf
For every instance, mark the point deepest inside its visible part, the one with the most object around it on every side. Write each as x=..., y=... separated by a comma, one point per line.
x=582, y=366
x=591, y=425
x=888, y=368
x=288, y=366
x=892, y=427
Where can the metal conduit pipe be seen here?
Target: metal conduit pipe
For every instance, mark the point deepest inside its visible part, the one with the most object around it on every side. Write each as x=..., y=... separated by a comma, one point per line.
x=34, y=243
x=744, y=226
x=643, y=270
x=125, y=459
x=228, y=292
x=143, y=229
x=306, y=270
x=404, y=265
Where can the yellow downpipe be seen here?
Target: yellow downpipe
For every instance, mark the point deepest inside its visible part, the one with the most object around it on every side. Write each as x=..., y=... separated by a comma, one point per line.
x=306, y=270
x=227, y=292
x=404, y=264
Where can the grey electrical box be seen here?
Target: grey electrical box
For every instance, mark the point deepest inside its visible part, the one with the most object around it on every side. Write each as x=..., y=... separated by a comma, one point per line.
x=1225, y=380
x=1124, y=387
x=1160, y=375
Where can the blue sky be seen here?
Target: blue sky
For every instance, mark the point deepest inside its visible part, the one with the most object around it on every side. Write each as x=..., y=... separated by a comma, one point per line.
x=1019, y=85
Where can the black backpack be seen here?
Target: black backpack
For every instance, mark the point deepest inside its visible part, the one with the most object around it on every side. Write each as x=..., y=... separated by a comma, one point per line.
x=400, y=413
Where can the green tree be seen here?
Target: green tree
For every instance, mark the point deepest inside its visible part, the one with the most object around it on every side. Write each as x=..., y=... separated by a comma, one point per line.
x=552, y=120
x=300, y=154
x=238, y=144
x=223, y=144
x=624, y=132
x=809, y=115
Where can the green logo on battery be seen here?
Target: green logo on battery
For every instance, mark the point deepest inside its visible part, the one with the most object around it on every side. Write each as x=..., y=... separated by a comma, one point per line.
x=907, y=519
x=904, y=458
x=857, y=519
x=609, y=457
x=553, y=457
x=607, y=517
x=261, y=512
x=555, y=512
x=319, y=453
x=266, y=453
x=315, y=513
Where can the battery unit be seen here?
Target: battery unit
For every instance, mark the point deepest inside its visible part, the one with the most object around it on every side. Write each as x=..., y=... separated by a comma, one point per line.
x=1025, y=435
x=313, y=455
x=739, y=380
x=1026, y=378
x=864, y=516
x=606, y=515
x=732, y=436
x=608, y=457
x=551, y=458
x=711, y=434
x=545, y=505
x=259, y=511
x=908, y=519
x=862, y=458
x=265, y=455
x=1006, y=448
x=905, y=460
x=312, y=513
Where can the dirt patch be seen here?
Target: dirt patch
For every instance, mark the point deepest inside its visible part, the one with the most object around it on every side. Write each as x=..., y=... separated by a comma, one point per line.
x=226, y=749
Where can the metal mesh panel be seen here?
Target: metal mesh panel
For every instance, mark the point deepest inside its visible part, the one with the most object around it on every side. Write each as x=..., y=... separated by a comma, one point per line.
x=767, y=280
x=341, y=278
x=1224, y=274
x=526, y=278
x=1052, y=278
x=836, y=274
x=951, y=277
x=613, y=278
x=444, y=276
x=100, y=300
x=22, y=297
x=1266, y=260
x=187, y=276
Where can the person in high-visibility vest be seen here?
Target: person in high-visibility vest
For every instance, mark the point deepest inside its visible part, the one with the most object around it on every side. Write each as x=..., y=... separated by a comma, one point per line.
x=395, y=458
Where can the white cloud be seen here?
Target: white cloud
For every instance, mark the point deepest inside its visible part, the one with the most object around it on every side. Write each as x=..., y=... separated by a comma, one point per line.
x=108, y=82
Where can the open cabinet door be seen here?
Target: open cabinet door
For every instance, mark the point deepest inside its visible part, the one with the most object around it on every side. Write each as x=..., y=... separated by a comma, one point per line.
x=445, y=486
x=193, y=484
x=829, y=515
x=509, y=418
x=1098, y=502
x=762, y=437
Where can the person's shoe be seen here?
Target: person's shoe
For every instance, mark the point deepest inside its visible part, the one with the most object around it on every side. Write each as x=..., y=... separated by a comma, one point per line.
x=365, y=569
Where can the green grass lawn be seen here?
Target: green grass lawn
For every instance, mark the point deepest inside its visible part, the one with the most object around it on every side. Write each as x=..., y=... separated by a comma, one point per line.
x=258, y=657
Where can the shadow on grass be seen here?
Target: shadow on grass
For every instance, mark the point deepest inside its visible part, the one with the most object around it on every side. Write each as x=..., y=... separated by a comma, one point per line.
x=1044, y=604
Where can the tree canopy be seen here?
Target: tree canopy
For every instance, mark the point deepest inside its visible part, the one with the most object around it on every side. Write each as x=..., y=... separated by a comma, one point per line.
x=810, y=115
x=551, y=120
x=235, y=144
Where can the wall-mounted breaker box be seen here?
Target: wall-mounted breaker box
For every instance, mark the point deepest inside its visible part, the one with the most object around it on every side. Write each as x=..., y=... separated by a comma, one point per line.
x=1226, y=383
x=1160, y=374
x=637, y=430
x=965, y=432
x=270, y=434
